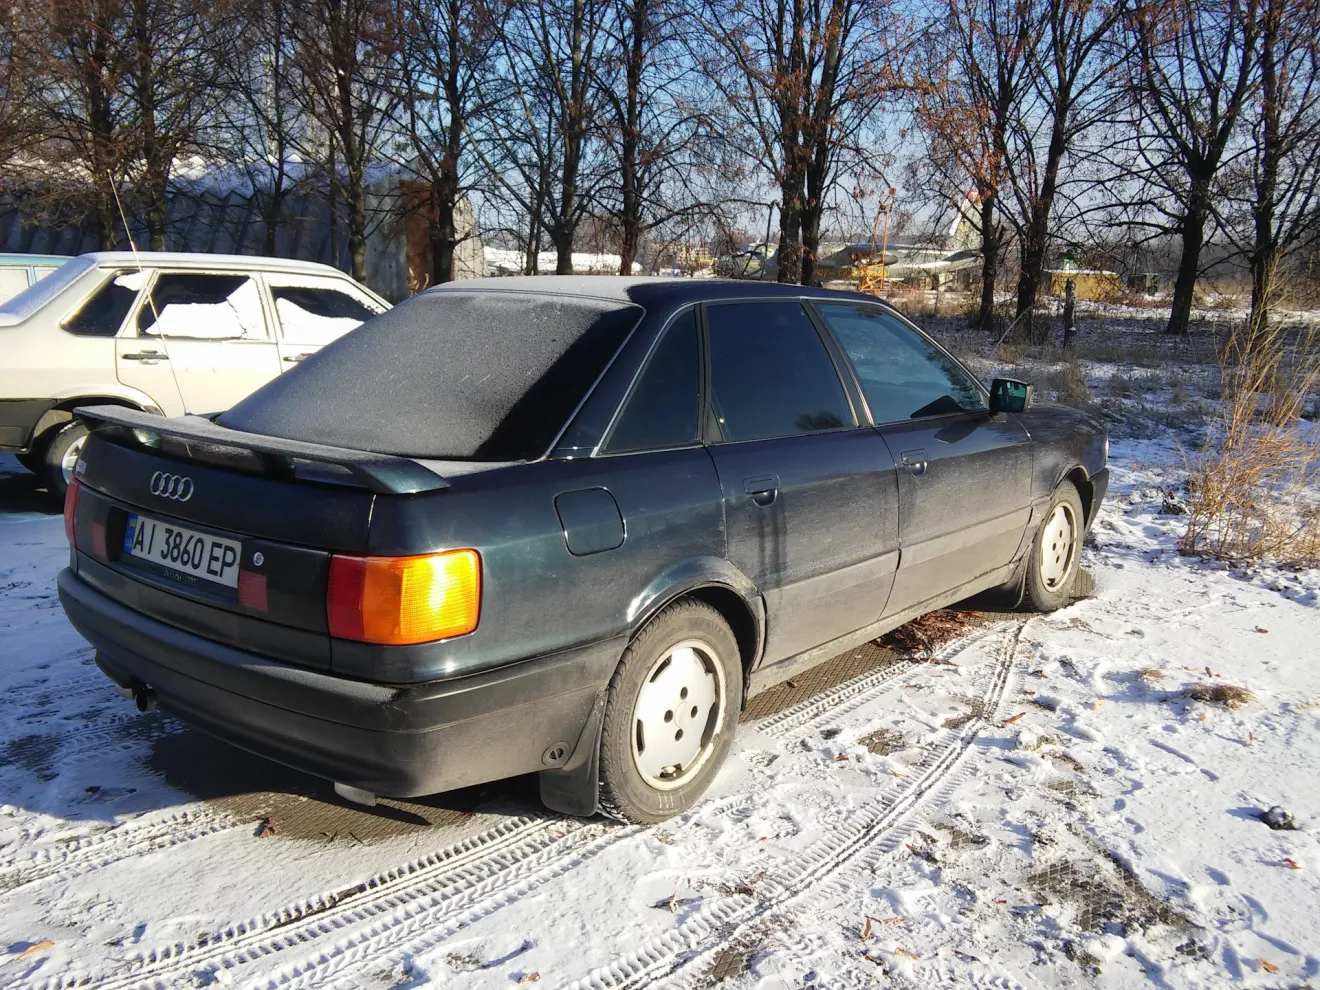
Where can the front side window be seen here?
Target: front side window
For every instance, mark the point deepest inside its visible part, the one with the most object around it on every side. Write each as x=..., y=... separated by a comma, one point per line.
x=770, y=374
x=314, y=310
x=103, y=314
x=210, y=307
x=903, y=375
x=663, y=408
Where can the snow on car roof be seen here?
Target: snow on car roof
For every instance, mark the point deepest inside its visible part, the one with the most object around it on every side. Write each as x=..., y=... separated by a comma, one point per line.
x=193, y=259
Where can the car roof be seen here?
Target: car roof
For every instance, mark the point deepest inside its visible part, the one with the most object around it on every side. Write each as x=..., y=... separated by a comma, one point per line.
x=650, y=290
x=33, y=259
x=191, y=259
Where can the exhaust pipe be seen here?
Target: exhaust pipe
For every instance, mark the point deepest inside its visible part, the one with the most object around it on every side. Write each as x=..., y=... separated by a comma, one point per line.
x=144, y=697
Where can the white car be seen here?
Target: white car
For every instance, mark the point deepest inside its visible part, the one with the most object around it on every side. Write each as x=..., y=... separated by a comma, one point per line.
x=165, y=333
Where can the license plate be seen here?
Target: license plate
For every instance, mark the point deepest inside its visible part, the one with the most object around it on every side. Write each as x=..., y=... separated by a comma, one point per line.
x=197, y=555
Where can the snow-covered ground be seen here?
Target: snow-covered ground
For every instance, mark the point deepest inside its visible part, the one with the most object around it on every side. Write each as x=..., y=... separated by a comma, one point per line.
x=1045, y=806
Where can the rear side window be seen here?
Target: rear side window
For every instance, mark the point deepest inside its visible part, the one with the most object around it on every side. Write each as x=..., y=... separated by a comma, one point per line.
x=12, y=282
x=314, y=311
x=103, y=314
x=903, y=375
x=662, y=410
x=770, y=374
x=213, y=307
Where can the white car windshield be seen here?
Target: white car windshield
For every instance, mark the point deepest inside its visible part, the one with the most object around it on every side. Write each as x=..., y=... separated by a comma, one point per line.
x=27, y=302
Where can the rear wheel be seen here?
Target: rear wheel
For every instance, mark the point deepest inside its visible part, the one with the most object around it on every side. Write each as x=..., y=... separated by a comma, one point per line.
x=1056, y=556
x=671, y=713
x=60, y=457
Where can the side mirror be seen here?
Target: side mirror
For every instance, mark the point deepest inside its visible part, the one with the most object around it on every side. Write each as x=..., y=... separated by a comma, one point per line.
x=1009, y=396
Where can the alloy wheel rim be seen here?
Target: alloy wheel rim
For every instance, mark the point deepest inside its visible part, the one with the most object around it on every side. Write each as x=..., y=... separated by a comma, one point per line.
x=678, y=715
x=70, y=459
x=1058, y=546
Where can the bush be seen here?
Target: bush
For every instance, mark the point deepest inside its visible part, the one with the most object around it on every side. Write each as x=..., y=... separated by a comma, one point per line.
x=1254, y=491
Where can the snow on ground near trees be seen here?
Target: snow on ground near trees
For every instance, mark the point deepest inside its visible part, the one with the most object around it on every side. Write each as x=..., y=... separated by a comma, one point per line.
x=1047, y=807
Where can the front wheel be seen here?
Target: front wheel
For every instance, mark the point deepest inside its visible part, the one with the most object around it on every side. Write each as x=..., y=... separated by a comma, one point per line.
x=1056, y=556
x=672, y=709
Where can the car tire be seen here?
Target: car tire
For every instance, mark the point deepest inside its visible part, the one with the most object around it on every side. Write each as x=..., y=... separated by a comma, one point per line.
x=32, y=459
x=60, y=454
x=1055, y=560
x=682, y=673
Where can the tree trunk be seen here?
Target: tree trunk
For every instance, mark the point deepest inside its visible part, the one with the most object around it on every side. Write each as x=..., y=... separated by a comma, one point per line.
x=810, y=243
x=1036, y=241
x=1189, y=264
x=1264, y=254
x=444, y=236
x=630, y=219
x=985, y=316
x=789, y=259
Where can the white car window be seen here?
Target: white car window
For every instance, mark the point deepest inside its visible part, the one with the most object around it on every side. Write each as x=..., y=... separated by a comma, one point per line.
x=314, y=310
x=12, y=282
x=210, y=307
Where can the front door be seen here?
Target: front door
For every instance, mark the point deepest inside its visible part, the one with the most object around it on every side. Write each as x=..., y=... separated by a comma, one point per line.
x=210, y=330
x=810, y=498
x=964, y=476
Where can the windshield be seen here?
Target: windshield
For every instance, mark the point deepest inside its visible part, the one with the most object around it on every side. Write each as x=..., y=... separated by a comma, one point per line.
x=31, y=299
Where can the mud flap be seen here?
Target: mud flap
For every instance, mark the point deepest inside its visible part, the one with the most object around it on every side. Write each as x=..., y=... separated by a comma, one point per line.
x=574, y=788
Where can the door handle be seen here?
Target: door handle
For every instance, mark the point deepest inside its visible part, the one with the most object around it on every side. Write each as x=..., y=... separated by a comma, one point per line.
x=294, y=358
x=915, y=461
x=763, y=489
x=147, y=357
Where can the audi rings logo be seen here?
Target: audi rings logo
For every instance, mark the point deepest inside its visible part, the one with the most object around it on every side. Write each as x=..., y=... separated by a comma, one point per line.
x=175, y=486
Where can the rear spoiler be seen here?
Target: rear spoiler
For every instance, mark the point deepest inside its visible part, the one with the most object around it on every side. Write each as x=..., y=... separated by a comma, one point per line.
x=384, y=473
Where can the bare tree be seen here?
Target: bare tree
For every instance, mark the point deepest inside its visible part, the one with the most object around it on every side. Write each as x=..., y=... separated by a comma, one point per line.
x=345, y=49
x=1072, y=71
x=1274, y=209
x=445, y=53
x=657, y=124
x=79, y=52
x=172, y=79
x=968, y=105
x=263, y=120
x=1193, y=70
x=801, y=83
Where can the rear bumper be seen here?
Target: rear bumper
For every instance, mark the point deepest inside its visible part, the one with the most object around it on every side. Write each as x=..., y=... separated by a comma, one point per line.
x=402, y=741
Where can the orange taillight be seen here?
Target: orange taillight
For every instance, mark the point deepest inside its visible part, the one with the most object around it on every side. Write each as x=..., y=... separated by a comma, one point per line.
x=399, y=600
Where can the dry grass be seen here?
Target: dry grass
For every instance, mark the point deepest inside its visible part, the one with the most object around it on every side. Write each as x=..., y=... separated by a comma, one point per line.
x=923, y=636
x=1150, y=675
x=1228, y=695
x=1254, y=488
x=1071, y=384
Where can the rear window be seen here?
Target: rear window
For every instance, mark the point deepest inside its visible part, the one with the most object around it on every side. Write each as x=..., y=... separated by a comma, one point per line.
x=448, y=374
x=103, y=314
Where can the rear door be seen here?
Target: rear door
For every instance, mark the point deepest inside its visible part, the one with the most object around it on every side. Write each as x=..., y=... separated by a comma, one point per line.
x=313, y=310
x=964, y=477
x=810, y=497
x=211, y=329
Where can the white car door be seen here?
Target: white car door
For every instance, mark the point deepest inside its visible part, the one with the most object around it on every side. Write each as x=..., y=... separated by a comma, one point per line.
x=313, y=310
x=212, y=328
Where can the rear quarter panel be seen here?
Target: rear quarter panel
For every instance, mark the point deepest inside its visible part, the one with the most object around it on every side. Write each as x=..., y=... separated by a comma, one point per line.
x=539, y=598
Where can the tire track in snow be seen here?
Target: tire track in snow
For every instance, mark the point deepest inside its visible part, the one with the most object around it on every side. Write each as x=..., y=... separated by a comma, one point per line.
x=851, y=843
x=421, y=932
x=86, y=854
x=431, y=899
